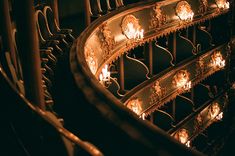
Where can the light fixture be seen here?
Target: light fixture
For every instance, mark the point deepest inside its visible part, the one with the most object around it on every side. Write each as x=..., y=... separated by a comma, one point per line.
x=181, y=80
x=220, y=116
x=104, y=77
x=182, y=136
x=131, y=28
x=214, y=110
x=135, y=105
x=222, y=4
x=217, y=60
x=184, y=11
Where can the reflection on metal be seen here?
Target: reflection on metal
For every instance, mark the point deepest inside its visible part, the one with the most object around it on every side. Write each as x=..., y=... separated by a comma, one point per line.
x=131, y=28
x=182, y=136
x=135, y=105
x=91, y=59
x=107, y=40
x=104, y=77
x=214, y=110
x=142, y=116
x=220, y=116
x=222, y=4
x=184, y=11
x=182, y=80
x=217, y=60
x=157, y=93
x=157, y=17
x=203, y=6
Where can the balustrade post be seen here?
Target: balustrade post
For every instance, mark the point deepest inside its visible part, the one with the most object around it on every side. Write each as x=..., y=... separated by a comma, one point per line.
x=121, y=74
x=6, y=31
x=87, y=12
x=150, y=60
x=28, y=48
x=54, y=6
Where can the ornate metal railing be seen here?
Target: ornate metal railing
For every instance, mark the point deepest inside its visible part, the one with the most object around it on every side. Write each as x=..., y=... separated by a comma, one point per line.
x=162, y=88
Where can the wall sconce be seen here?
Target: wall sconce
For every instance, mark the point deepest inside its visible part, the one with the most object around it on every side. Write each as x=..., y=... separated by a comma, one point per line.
x=214, y=110
x=131, y=28
x=182, y=136
x=104, y=77
x=181, y=80
x=184, y=11
x=222, y=4
x=217, y=60
x=135, y=105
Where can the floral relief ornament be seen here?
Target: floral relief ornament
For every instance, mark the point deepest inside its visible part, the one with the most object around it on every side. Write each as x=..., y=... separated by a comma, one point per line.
x=157, y=93
x=91, y=59
x=107, y=40
x=158, y=18
x=181, y=80
x=203, y=6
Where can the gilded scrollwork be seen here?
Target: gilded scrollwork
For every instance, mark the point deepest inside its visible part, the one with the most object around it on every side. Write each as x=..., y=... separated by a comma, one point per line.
x=91, y=59
x=107, y=40
x=158, y=18
x=198, y=122
x=184, y=11
x=200, y=66
x=203, y=6
x=157, y=93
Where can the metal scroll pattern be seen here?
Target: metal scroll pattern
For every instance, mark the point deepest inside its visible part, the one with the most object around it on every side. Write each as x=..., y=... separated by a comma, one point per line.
x=167, y=86
x=204, y=118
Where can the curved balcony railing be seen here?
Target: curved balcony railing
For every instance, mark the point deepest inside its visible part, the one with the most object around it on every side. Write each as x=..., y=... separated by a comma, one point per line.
x=110, y=36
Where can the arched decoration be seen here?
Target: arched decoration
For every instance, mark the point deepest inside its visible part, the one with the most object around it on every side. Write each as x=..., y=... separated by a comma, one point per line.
x=163, y=120
x=184, y=48
x=135, y=72
x=162, y=59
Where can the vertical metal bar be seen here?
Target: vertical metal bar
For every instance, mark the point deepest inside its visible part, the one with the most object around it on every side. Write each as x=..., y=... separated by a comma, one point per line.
x=6, y=30
x=54, y=6
x=150, y=58
x=174, y=47
x=29, y=51
x=121, y=73
x=194, y=35
x=174, y=55
x=87, y=12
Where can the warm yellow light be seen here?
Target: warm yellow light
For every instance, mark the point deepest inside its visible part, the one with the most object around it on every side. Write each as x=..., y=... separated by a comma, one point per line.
x=104, y=77
x=133, y=33
x=214, y=110
x=222, y=4
x=181, y=80
x=184, y=11
x=182, y=136
x=135, y=106
x=217, y=60
x=220, y=116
